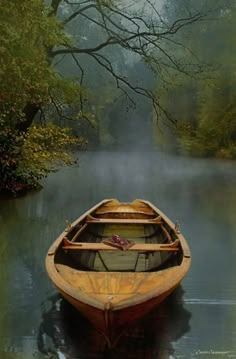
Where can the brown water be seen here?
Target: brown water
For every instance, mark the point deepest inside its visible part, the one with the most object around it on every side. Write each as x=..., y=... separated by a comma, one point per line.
x=197, y=321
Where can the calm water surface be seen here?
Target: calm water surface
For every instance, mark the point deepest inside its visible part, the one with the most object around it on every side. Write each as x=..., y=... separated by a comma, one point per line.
x=197, y=322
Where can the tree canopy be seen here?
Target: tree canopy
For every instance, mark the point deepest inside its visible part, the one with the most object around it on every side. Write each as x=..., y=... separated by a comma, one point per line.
x=29, y=151
x=204, y=106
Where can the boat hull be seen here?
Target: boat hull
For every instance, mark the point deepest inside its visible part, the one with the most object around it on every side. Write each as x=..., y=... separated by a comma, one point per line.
x=113, y=323
x=114, y=300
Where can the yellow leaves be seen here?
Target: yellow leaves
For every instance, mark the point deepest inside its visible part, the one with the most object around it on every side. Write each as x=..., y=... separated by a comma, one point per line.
x=27, y=33
x=44, y=149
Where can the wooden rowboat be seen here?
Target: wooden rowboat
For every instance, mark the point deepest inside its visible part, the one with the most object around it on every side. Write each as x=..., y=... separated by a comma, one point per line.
x=118, y=261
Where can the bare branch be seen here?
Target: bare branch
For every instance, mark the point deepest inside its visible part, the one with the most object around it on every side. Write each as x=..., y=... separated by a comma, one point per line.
x=105, y=63
x=81, y=81
x=76, y=50
x=146, y=36
x=180, y=23
x=78, y=12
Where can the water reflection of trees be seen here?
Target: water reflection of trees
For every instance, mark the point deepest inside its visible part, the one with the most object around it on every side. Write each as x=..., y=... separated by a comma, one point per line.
x=63, y=331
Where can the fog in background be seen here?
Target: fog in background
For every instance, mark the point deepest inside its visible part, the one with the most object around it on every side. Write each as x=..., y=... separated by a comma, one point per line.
x=128, y=121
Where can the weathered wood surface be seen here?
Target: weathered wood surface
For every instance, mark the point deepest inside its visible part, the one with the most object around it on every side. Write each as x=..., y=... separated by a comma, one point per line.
x=116, y=286
x=148, y=247
x=136, y=207
x=156, y=220
x=79, y=232
x=140, y=247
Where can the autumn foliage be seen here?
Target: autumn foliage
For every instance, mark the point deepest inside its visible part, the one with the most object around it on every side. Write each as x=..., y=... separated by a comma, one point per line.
x=31, y=144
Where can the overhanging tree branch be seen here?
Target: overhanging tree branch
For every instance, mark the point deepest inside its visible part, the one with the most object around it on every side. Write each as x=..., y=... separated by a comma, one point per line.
x=139, y=30
x=105, y=63
x=133, y=32
x=81, y=81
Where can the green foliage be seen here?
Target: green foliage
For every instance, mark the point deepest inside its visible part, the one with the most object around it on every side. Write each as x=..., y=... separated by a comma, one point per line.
x=27, y=33
x=214, y=133
x=8, y=153
x=27, y=158
x=43, y=149
x=205, y=106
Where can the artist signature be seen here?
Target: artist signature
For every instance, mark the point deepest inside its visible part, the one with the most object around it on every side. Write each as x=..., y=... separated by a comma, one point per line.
x=229, y=354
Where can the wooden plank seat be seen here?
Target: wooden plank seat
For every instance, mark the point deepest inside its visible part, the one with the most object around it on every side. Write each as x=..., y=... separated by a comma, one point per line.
x=156, y=220
x=150, y=214
x=140, y=247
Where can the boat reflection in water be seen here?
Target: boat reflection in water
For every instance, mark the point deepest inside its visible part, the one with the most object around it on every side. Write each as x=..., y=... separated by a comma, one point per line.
x=65, y=333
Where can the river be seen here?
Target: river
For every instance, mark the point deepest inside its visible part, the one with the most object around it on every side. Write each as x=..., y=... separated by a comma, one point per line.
x=197, y=322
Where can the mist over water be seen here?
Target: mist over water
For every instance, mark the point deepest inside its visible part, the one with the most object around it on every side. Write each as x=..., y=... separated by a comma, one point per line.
x=197, y=321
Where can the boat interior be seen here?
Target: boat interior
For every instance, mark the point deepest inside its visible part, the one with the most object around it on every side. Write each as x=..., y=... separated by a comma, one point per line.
x=136, y=224
x=93, y=231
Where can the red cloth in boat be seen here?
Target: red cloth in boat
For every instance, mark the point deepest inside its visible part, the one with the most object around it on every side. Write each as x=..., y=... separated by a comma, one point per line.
x=118, y=242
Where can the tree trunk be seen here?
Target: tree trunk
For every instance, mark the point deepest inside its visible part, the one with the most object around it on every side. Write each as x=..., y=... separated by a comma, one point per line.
x=30, y=112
